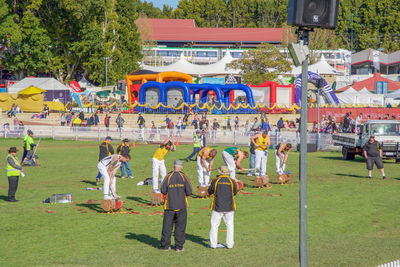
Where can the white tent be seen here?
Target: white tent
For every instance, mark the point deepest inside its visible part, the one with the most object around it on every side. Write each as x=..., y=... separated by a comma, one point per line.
x=321, y=67
x=54, y=89
x=83, y=83
x=362, y=97
x=182, y=65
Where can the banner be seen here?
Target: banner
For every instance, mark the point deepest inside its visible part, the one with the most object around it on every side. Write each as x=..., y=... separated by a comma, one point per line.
x=75, y=86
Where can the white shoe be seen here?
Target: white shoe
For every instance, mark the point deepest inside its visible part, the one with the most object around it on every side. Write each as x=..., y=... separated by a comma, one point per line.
x=140, y=183
x=107, y=197
x=130, y=177
x=157, y=191
x=122, y=177
x=250, y=174
x=220, y=246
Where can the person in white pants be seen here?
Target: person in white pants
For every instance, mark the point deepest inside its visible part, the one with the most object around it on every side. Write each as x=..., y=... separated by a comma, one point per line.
x=158, y=164
x=205, y=161
x=281, y=154
x=232, y=157
x=261, y=143
x=223, y=206
x=108, y=167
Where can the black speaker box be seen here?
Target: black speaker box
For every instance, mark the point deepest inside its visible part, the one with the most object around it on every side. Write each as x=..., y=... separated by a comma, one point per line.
x=313, y=13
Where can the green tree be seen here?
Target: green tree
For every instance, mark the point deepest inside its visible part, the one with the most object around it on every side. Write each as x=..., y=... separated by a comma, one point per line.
x=261, y=64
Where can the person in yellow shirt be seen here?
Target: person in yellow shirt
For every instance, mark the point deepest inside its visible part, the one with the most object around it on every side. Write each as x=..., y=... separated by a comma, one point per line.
x=261, y=142
x=158, y=164
x=205, y=162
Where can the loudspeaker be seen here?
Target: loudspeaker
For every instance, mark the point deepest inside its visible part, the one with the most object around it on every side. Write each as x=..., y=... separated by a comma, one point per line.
x=313, y=13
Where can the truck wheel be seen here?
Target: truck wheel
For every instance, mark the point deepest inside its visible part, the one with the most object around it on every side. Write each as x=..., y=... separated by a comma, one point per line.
x=347, y=155
x=397, y=160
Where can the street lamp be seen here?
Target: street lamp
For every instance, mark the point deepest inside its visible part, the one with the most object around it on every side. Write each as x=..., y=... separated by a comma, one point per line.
x=106, y=58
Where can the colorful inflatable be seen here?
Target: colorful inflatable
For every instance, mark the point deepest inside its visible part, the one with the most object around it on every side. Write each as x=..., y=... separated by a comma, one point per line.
x=135, y=80
x=272, y=93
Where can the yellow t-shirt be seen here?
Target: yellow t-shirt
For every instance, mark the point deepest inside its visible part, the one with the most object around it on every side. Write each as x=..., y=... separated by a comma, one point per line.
x=262, y=143
x=160, y=153
x=208, y=149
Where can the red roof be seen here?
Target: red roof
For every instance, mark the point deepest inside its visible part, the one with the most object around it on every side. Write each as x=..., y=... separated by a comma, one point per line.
x=370, y=84
x=185, y=30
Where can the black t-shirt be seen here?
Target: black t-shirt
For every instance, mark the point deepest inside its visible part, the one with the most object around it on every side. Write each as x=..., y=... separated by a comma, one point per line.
x=372, y=148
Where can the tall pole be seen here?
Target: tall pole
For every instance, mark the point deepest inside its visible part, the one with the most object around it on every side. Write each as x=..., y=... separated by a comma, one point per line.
x=351, y=36
x=318, y=122
x=303, y=157
x=106, y=58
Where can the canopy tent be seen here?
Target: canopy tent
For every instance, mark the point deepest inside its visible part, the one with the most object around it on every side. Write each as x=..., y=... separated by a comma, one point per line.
x=54, y=89
x=31, y=90
x=364, y=97
x=321, y=67
x=394, y=95
x=182, y=65
x=84, y=83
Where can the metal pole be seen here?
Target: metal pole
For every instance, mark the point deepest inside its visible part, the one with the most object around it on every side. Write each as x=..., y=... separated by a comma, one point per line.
x=106, y=70
x=318, y=122
x=303, y=158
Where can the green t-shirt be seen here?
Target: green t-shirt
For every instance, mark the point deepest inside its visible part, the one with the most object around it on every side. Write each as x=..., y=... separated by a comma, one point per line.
x=233, y=151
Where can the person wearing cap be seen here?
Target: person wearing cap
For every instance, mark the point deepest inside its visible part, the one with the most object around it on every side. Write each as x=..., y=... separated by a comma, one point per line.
x=28, y=143
x=205, y=162
x=176, y=187
x=223, y=189
x=105, y=150
x=373, y=155
x=261, y=143
x=108, y=167
x=14, y=170
x=158, y=164
x=232, y=157
x=196, y=146
x=124, y=149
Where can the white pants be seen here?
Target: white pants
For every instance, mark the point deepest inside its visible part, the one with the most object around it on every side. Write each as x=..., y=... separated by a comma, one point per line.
x=106, y=187
x=215, y=222
x=202, y=174
x=158, y=168
x=230, y=162
x=261, y=162
x=280, y=166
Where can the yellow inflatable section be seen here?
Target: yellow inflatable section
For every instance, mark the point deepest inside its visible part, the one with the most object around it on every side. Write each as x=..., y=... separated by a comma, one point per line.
x=27, y=103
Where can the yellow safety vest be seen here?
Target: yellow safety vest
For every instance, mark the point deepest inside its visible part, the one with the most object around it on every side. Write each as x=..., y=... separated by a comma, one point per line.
x=10, y=169
x=262, y=143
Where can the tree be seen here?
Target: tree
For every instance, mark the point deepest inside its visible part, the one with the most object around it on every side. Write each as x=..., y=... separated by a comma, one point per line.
x=261, y=64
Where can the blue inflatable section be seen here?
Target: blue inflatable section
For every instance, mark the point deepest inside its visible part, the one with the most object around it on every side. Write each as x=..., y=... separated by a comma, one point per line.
x=326, y=91
x=188, y=91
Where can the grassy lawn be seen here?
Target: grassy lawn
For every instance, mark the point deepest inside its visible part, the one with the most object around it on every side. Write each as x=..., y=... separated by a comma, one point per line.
x=352, y=221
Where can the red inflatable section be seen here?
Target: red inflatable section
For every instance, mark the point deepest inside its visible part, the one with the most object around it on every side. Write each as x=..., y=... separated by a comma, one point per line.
x=273, y=91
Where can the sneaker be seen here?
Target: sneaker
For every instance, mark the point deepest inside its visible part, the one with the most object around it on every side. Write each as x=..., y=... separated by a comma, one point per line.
x=250, y=174
x=122, y=177
x=187, y=160
x=165, y=249
x=130, y=177
x=97, y=182
x=180, y=249
x=157, y=191
x=107, y=197
x=384, y=177
x=140, y=183
x=369, y=177
x=220, y=246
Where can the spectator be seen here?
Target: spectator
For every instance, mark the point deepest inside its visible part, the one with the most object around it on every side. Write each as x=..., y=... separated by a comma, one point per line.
x=256, y=125
x=96, y=119
x=63, y=119
x=215, y=127
x=236, y=123
x=203, y=139
x=107, y=121
x=68, y=118
x=228, y=124
x=140, y=121
x=280, y=124
x=120, y=121
x=167, y=120
x=265, y=125
x=178, y=126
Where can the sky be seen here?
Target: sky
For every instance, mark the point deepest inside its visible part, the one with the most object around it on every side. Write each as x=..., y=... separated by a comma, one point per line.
x=160, y=3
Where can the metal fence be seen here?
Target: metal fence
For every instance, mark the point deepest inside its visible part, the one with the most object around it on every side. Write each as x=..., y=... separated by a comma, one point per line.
x=147, y=135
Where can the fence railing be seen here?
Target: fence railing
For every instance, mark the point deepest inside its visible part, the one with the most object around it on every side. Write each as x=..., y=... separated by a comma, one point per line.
x=395, y=263
x=239, y=137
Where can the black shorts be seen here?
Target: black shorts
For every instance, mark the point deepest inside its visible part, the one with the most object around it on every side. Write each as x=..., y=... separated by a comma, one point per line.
x=374, y=160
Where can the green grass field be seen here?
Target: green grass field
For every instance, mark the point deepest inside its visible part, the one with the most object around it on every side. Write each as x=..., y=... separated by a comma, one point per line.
x=352, y=221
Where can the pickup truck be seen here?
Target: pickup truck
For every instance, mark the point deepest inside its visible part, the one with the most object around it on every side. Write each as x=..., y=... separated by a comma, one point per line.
x=387, y=133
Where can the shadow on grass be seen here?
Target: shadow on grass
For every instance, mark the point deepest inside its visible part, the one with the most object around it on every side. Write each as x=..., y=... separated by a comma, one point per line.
x=139, y=199
x=146, y=239
x=5, y=198
x=351, y=175
x=357, y=159
x=197, y=239
x=95, y=207
x=88, y=182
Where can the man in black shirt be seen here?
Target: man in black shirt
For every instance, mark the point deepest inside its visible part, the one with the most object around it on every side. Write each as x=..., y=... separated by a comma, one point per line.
x=176, y=186
x=223, y=189
x=373, y=155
